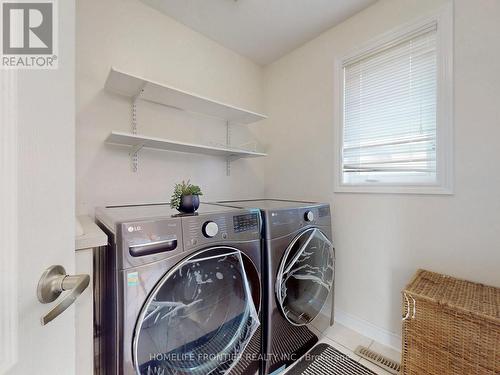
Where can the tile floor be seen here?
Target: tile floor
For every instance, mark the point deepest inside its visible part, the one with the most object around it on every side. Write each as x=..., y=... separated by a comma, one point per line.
x=346, y=341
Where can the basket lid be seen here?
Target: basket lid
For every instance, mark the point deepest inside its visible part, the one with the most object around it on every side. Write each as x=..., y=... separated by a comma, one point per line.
x=473, y=298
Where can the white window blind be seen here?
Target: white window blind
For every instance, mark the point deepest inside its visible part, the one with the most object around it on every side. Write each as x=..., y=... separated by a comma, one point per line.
x=389, y=112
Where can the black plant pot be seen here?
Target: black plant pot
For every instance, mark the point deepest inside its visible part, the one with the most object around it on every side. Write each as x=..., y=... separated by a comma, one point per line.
x=189, y=204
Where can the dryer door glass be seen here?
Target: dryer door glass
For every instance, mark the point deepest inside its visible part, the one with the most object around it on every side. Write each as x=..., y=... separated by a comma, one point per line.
x=200, y=316
x=305, y=277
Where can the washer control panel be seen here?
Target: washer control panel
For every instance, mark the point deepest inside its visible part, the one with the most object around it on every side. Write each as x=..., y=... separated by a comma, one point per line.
x=234, y=225
x=210, y=229
x=244, y=223
x=309, y=216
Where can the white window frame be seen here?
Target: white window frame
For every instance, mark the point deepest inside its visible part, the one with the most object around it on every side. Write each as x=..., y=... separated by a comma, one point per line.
x=444, y=119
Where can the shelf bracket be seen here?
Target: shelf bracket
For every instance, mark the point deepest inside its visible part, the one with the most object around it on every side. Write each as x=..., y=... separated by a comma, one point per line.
x=228, y=134
x=134, y=157
x=228, y=144
x=134, y=114
x=229, y=160
x=137, y=148
x=249, y=146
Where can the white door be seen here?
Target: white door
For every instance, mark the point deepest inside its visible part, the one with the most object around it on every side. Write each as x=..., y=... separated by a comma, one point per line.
x=37, y=215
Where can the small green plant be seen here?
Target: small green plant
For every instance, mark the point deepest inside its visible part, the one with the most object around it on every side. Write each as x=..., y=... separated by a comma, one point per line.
x=182, y=189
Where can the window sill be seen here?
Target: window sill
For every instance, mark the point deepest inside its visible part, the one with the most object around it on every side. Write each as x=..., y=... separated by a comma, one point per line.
x=388, y=189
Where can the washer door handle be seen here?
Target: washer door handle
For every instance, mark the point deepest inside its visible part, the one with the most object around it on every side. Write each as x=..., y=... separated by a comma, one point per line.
x=53, y=282
x=151, y=248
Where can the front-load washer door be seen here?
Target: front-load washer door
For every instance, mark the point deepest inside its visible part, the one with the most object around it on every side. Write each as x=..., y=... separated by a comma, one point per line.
x=305, y=277
x=200, y=316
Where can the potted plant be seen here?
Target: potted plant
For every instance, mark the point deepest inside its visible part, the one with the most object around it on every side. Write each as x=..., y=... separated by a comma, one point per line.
x=186, y=197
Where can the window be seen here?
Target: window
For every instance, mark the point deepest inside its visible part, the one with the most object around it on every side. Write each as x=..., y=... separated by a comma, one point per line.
x=395, y=112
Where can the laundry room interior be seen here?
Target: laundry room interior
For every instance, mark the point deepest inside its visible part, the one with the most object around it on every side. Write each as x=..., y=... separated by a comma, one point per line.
x=256, y=187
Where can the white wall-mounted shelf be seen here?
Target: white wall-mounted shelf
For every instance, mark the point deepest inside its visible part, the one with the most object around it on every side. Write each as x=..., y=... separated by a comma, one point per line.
x=137, y=142
x=132, y=86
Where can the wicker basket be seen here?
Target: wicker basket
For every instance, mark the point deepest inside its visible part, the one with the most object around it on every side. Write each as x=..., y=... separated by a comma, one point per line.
x=450, y=326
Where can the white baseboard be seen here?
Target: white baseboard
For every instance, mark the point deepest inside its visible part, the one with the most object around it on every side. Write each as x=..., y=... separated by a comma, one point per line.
x=368, y=329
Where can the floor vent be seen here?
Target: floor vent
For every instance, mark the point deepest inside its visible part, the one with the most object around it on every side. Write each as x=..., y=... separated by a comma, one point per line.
x=326, y=360
x=386, y=363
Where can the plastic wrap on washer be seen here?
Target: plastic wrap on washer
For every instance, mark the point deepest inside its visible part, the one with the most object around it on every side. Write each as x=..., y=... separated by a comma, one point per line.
x=305, y=277
x=199, y=318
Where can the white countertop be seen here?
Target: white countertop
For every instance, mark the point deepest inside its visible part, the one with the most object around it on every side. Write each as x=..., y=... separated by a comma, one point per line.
x=92, y=235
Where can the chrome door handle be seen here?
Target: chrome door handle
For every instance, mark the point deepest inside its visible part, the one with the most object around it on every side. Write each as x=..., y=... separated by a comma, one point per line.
x=53, y=282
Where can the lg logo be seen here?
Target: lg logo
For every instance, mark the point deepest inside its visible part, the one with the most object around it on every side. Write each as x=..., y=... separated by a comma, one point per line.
x=134, y=228
x=28, y=34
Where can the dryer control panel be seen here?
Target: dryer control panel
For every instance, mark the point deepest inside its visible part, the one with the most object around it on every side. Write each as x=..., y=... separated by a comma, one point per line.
x=247, y=222
x=280, y=222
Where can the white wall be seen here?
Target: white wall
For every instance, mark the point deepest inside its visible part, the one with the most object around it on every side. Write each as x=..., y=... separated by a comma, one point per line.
x=382, y=239
x=135, y=38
